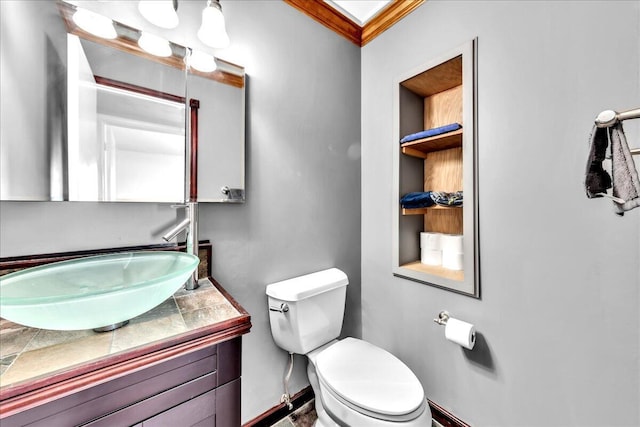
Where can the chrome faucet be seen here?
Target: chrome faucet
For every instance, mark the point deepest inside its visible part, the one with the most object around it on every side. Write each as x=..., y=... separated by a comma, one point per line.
x=182, y=225
x=190, y=225
x=190, y=222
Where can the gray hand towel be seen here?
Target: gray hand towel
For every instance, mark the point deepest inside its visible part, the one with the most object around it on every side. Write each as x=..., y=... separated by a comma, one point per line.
x=626, y=185
x=624, y=176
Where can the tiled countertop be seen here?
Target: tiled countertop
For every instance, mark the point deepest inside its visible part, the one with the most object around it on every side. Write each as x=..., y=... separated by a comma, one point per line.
x=28, y=354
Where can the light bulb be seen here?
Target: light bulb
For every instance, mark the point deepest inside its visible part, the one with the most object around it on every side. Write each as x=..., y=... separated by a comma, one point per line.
x=154, y=45
x=202, y=61
x=159, y=12
x=95, y=24
x=213, y=32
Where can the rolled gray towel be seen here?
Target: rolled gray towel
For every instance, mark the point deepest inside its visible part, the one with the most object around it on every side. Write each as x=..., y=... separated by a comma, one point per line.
x=626, y=185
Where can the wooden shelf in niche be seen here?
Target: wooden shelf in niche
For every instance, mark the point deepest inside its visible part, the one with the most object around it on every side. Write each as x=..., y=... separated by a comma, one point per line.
x=439, y=91
x=436, y=80
x=424, y=211
x=436, y=94
x=424, y=146
x=457, y=275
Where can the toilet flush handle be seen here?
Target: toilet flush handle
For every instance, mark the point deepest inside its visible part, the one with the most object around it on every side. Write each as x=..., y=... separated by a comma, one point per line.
x=282, y=309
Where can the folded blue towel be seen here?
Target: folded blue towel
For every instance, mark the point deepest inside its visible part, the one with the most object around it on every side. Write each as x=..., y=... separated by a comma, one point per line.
x=416, y=200
x=431, y=132
x=425, y=199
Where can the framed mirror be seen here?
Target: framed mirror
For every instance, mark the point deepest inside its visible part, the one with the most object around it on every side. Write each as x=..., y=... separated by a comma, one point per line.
x=44, y=149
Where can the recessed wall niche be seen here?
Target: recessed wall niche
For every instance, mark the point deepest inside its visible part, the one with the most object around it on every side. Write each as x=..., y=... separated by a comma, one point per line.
x=435, y=173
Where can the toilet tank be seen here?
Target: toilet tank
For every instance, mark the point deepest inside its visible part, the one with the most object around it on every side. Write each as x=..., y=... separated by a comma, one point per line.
x=306, y=312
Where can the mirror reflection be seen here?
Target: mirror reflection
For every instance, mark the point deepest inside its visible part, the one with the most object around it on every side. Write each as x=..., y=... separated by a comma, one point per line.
x=125, y=141
x=33, y=101
x=74, y=130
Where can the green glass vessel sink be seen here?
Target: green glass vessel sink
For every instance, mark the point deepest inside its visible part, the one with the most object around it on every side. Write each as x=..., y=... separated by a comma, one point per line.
x=93, y=292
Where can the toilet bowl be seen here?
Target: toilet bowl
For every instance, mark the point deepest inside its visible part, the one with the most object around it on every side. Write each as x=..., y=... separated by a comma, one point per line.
x=355, y=382
x=360, y=384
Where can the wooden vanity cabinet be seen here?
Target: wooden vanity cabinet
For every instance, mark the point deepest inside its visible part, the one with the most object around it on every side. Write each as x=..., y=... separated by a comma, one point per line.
x=437, y=94
x=198, y=385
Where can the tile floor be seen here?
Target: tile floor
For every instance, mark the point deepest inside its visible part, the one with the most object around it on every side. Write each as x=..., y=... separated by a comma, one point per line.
x=303, y=417
x=306, y=415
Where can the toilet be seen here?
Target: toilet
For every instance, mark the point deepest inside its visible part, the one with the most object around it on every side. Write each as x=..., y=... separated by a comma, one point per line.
x=355, y=383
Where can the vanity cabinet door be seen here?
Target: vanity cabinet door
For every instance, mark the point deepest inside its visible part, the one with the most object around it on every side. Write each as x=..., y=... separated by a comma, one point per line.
x=199, y=411
x=228, y=404
x=175, y=398
x=92, y=406
x=216, y=408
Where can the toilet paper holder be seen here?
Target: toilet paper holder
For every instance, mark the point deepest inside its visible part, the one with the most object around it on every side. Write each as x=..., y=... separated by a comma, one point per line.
x=457, y=331
x=442, y=318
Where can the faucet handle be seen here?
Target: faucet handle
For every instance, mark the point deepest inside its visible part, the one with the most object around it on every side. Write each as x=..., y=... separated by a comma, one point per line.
x=180, y=206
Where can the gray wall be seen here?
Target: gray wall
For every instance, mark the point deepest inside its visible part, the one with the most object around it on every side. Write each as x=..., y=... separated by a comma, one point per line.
x=303, y=180
x=303, y=184
x=559, y=314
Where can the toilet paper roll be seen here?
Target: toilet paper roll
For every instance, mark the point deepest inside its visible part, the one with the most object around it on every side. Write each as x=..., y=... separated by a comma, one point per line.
x=429, y=240
x=461, y=333
x=452, y=243
x=431, y=256
x=452, y=260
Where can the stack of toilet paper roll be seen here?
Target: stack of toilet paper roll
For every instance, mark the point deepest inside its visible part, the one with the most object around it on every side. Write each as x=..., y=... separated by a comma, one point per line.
x=442, y=249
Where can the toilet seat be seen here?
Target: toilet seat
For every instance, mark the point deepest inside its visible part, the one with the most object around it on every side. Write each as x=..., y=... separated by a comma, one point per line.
x=370, y=380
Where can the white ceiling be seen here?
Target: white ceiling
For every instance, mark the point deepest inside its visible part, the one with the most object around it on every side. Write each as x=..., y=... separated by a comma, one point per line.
x=359, y=11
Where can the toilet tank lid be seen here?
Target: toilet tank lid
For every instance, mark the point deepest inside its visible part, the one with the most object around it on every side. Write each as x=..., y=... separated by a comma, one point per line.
x=306, y=286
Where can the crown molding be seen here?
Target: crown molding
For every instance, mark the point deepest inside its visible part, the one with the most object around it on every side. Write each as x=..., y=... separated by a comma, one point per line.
x=394, y=12
x=329, y=17
x=340, y=24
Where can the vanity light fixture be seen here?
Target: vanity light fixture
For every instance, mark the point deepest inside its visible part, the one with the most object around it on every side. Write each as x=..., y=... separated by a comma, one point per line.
x=202, y=61
x=162, y=13
x=213, y=31
x=154, y=45
x=95, y=24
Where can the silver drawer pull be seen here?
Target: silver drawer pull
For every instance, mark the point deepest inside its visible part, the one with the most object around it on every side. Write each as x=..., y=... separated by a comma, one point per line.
x=282, y=309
